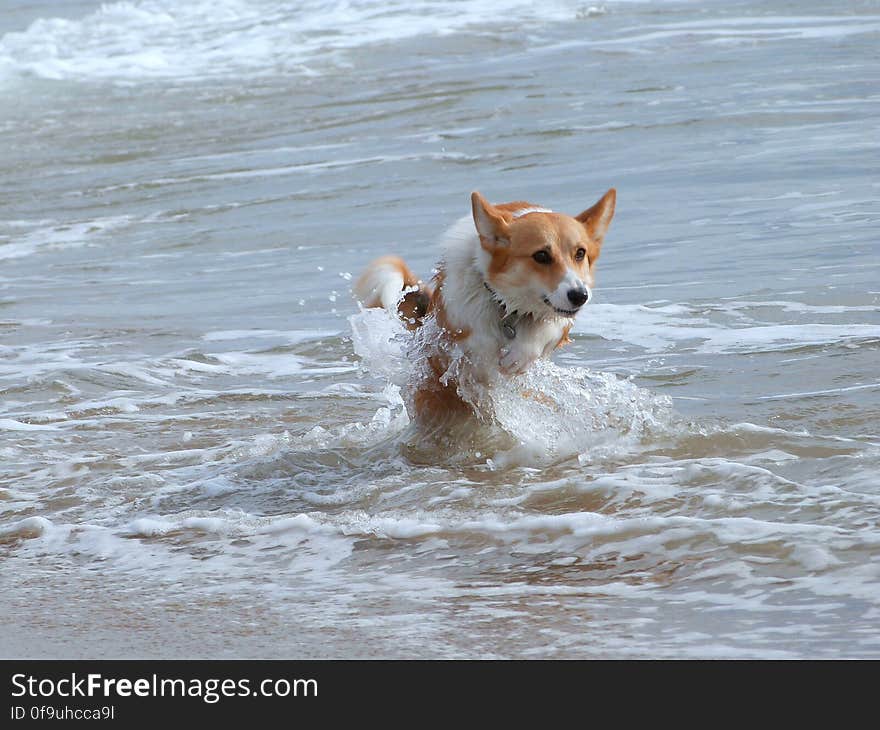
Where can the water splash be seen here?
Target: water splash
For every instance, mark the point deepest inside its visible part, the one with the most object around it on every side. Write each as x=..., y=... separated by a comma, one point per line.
x=565, y=411
x=546, y=414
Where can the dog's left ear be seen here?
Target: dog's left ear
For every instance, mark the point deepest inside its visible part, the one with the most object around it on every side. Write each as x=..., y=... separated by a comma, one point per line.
x=597, y=219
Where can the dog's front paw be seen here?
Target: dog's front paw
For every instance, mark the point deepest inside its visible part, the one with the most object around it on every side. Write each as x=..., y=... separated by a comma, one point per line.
x=515, y=360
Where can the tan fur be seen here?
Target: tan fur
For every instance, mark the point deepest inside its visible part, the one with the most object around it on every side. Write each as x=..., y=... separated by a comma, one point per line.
x=412, y=307
x=439, y=309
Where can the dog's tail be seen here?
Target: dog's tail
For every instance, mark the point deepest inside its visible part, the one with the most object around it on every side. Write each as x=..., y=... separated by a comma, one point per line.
x=389, y=283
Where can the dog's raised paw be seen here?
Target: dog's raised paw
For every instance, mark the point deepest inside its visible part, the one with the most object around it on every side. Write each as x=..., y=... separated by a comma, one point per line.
x=514, y=360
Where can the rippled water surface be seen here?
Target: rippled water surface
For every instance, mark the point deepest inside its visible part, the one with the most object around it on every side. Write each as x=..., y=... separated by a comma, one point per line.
x=203, y=446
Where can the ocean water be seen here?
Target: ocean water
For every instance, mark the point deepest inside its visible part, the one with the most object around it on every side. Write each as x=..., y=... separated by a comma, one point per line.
x=204, y=451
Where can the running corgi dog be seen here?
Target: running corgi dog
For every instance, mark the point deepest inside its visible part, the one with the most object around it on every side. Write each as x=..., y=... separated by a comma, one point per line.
x=511, y=280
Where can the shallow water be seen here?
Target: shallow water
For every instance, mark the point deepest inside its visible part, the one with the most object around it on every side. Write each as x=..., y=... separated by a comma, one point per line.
x=203, y=446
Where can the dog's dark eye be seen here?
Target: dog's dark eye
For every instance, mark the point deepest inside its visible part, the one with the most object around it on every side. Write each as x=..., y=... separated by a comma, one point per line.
x=579, y=254
x=542, y=257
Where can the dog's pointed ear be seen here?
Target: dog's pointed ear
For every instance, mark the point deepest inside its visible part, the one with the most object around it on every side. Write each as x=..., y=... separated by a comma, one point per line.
x=491, y=226
x=597, y=219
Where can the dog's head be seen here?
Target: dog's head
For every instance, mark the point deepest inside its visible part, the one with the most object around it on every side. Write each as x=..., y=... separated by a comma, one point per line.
x=539, y=262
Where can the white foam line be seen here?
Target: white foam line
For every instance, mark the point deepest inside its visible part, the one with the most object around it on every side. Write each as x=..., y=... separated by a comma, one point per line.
x=290, y=336
x=662, y=328
x=8, y=424
x=832, y=391
x=29, y=527
x=785, y=32
x=577, y=524
x=786, y=306
x=61, y=235
x=782, y=20
x=296, y=168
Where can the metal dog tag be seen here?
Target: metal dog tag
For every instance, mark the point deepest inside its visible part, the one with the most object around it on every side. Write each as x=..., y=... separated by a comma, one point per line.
x=507, y=326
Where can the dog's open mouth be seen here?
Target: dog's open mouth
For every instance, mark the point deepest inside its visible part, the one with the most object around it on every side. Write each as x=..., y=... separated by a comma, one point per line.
x=559, y=310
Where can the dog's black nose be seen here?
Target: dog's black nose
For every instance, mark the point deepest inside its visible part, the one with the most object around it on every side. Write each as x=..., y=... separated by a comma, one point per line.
x=578, y=296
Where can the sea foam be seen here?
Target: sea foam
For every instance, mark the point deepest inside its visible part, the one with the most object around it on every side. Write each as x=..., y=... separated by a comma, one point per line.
x=164, y=39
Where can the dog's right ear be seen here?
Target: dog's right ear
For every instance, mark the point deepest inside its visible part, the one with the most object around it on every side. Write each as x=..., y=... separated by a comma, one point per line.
x=491, y=226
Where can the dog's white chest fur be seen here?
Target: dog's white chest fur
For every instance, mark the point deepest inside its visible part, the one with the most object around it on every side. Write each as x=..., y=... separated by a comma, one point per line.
x=470, y=307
